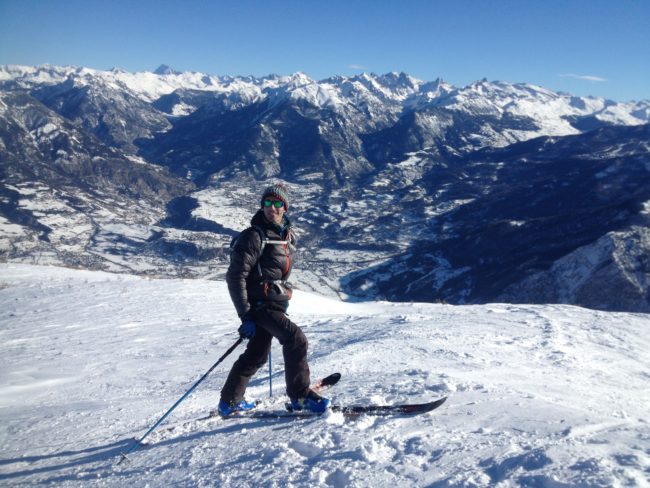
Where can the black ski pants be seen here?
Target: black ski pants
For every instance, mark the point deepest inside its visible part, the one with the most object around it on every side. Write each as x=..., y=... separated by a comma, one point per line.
x=269, y=324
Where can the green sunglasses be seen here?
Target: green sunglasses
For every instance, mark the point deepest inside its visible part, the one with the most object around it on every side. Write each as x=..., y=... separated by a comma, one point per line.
x=275, y=203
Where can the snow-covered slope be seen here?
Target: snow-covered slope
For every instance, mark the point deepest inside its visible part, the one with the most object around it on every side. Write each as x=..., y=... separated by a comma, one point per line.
x=538, y=395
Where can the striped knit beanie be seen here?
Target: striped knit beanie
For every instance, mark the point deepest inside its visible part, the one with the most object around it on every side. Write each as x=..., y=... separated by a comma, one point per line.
x=279, y=191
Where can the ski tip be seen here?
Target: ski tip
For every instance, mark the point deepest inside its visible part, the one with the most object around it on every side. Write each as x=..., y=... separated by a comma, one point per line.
x=436, y=403
x=327, y=382
x=422, y=407
x=334, y=377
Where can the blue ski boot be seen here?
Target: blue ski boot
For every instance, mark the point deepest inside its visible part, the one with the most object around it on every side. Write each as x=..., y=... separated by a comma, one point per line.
x=311, y=402
x=227, y=408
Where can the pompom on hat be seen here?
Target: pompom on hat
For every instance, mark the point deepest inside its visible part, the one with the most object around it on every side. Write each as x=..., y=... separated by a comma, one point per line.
x=279, y=191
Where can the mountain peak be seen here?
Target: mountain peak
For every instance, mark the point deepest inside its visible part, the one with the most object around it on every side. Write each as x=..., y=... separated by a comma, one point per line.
x=163, y=69
x=400, y=78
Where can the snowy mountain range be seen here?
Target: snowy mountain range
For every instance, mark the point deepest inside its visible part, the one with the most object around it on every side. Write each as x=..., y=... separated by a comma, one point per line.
x=402, y=189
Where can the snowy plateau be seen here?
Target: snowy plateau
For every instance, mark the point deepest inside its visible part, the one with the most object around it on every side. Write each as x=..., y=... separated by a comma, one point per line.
x=538, y=395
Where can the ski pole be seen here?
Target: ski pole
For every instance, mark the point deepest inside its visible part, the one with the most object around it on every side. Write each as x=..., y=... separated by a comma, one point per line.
x=138, y=443
x=270, y=376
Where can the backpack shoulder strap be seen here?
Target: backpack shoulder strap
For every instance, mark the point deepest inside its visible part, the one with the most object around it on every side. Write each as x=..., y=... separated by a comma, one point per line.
x=264, y=240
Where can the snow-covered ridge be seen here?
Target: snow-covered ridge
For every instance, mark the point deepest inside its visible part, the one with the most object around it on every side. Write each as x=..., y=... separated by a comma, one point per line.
x=146, y=85
x=481, y=97
x=538, y=395
x=553, y=111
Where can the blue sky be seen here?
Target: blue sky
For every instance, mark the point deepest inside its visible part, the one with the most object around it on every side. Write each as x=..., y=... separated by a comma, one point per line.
x=585, y=47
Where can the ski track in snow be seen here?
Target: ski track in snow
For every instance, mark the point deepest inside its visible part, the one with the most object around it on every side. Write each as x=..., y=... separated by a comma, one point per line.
x=538, y=395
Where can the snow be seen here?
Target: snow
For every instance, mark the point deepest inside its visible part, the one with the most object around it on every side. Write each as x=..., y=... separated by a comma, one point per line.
x=9, y=232
x=370, y=102
x=182, y=109
x=217, y=206
x=145, y=85
x=538, y=395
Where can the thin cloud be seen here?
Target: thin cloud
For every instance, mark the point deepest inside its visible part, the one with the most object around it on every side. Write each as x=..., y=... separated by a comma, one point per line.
x=356, y=66
x=595, y=79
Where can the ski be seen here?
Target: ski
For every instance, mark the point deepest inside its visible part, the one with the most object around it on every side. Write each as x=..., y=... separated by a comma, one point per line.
x=349, y=411
x=405, y=409
x=352, y=411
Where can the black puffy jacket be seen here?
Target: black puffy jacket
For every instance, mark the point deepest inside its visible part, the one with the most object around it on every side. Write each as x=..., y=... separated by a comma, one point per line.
x=258, y=271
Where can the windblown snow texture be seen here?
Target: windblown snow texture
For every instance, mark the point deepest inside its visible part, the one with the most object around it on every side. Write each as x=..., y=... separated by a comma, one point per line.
x=538, y=395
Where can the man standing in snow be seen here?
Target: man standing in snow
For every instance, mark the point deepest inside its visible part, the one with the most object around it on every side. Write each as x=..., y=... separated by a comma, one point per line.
x=260, y=264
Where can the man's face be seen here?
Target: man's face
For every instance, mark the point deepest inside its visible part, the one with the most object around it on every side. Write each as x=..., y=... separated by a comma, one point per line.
x=272, y=211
